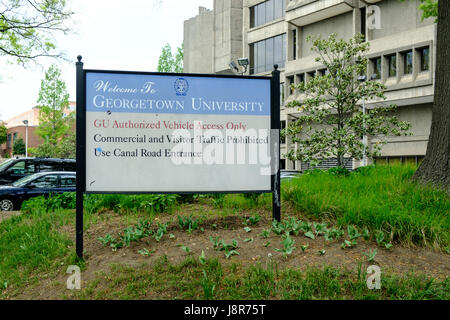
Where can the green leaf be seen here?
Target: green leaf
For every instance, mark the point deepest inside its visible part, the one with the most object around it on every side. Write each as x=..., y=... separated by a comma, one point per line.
x=202, y=258
x=310, y=235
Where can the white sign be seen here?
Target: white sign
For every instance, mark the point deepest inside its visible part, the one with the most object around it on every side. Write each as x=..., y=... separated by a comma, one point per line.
x=168, y=133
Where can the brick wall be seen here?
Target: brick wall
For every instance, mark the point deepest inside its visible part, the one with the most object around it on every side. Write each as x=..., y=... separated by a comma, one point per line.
x=19, y=132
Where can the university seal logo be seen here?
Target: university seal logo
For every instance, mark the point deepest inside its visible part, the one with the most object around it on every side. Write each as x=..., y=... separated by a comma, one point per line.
x=181, y=86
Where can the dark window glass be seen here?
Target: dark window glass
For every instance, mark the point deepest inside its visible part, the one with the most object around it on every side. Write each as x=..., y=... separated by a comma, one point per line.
x=425, y=59
x=301, y=78
x=17, y=168
x=269, y=54
x=322, y=72
x=269, y=10
x=283, y=126
x=68, y=181
x=260, y=14
x=281, y=93
x=252, y=17
x=48, y=166
x=376, y=63
x=279, y=9
x=290, y=81
x=392, y=61
x=252, y=58
x=282, y=164
x=278, y=56
x=264, y=54
x=311, y=74
x=294, y=44
x=261, y=57
x=50, y=181
x=266, y=12
x=22, y=167
x=69, y=166
x=408, y=61
x=363, y=22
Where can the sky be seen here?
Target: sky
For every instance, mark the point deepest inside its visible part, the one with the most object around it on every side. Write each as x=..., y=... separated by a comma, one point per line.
x=109, y=34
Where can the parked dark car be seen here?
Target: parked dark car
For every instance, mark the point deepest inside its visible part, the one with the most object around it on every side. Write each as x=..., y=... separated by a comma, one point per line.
x=14, y=169
x=44, y=183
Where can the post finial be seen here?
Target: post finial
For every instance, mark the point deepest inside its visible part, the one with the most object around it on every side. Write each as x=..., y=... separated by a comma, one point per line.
x=275, y=67
x=79, y=58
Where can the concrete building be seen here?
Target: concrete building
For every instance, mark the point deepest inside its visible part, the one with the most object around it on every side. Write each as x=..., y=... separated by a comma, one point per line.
x=402, y=54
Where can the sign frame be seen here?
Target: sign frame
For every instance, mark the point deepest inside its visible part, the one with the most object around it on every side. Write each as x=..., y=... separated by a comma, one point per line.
x=81, y=142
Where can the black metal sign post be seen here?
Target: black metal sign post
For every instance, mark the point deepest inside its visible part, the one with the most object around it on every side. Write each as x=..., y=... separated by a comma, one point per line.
x=81, y=144
x=275, y=134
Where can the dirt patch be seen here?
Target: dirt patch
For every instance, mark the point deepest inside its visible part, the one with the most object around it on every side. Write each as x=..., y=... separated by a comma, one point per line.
x=253, y=248
x=8, y=214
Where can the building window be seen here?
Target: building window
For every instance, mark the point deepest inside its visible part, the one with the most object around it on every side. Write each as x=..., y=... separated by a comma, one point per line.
x=282, y=164
x=392, y=65
x=283, y=126
x=311, y=75
x=14, y=136
x=294, y=44
x=290, y=82
x=406, y=160
x=408, y=62
x=424, y=59
x=322, y=72
x=376, y=65
x=264, y=54
x=265, y=12
x=281, y=93
x=363, y=22
x=301, y=78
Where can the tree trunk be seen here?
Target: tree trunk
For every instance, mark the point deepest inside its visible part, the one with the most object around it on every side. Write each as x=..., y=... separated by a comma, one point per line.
x=435, y=168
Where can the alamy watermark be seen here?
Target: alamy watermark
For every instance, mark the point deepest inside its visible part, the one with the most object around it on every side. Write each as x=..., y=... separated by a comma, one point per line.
x=373, y=17
x=74, y=280
x=374, y=279
x=225, y=147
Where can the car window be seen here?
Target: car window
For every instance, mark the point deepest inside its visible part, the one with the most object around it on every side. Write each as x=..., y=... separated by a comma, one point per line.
x=48, y=166
x=50, y=181
x=22, y=167
x=69, y=166
x=5, y=164
x=22, y=182
x=68, y=181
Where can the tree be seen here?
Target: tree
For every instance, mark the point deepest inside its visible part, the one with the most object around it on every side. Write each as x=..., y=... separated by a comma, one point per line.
x=168, y=62
x=67, y=148
x=19, y=146
x=435, y=168
x=27, y=28
x=3, y=133
x=332, y=124
x=53, y=101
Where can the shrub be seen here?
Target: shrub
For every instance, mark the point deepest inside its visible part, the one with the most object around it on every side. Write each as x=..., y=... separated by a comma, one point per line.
x=152, y=203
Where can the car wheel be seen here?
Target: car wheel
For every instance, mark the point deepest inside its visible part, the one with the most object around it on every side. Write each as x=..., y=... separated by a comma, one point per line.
x=6, y=205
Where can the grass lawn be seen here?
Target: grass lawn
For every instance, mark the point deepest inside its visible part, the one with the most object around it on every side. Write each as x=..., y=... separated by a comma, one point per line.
x=378, y=197
x=320, y=211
